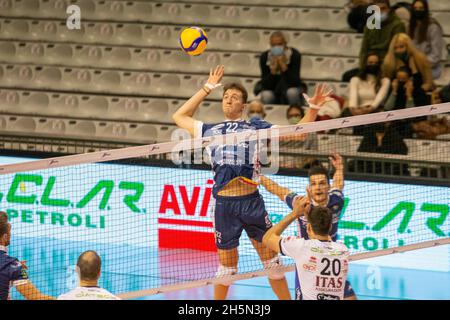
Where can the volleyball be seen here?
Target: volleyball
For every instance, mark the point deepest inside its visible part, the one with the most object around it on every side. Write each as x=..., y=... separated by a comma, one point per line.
x=193, y=40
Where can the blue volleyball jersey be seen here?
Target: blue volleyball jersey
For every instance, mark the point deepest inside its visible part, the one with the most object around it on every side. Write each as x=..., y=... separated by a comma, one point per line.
x=232, y=161
x=11, y=273
x=335, y=204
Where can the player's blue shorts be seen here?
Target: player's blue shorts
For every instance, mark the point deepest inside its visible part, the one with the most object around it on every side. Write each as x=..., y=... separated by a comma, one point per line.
x=234, y=214
x=348, y=290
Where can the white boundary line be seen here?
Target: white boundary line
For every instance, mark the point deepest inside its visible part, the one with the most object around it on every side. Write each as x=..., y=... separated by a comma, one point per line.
x=205, y=282
x=167, y=147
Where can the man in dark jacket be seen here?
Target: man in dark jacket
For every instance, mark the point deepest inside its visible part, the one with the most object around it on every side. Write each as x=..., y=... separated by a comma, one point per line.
x=280, y=73
x=378, y=40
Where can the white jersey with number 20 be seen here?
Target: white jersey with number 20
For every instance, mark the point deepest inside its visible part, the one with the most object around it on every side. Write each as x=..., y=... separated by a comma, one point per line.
x=322, y=267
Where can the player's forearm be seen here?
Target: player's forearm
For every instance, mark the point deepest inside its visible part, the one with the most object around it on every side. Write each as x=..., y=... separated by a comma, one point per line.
x=189, y=107
x=274, y=187
x=310, y=116
x=338, y=179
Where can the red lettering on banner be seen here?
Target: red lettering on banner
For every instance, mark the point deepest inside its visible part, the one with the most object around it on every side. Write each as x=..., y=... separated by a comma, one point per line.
x=189, y=206
x=206, y=200
x=169, y=204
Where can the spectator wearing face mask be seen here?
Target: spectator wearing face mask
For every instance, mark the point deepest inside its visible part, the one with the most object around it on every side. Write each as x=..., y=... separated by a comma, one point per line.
x=256, y=110
x=403, y=53
x=405, y=93
x=280, y=72
x=427, y=36
x=369, y=89
x=305, y=141
x=378, y=40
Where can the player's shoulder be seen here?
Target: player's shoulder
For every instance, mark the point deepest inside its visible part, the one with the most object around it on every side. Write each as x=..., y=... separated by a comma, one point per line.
x=335, y=192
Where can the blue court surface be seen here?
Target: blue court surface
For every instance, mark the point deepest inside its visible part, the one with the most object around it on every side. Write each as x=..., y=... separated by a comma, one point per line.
x=425, y=274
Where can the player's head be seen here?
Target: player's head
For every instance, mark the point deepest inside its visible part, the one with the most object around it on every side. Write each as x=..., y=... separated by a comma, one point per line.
x=277, y=39
x=319, y=222
x=233, y=100
x=89, y=266
x=319, y=183
x=256, y=110
x=5, y=230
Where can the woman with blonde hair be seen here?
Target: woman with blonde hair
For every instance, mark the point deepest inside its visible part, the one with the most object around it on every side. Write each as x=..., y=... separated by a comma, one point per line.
x=402, y=52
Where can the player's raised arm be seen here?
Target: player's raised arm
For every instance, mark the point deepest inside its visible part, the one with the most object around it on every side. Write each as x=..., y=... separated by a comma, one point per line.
x=338, y=177
x=274, y=188
x=273, y=236
x=183, y=117
x=321, y=95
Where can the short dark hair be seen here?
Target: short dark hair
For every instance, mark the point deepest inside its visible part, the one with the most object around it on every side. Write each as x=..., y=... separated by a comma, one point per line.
x=89, y=264
x=236, y=86
x=404, y=69
x=316, y=170
x=4, y=225
x=295, y=106
x=320, y=220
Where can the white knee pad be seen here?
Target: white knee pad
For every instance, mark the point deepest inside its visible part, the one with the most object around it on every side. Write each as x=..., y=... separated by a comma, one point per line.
x=272, y=266
x=225, y=272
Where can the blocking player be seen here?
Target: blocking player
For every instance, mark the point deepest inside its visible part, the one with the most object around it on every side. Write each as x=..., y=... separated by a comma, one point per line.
x=322, y=194
x=321, y=263
x=238, y=204
x=12, y=271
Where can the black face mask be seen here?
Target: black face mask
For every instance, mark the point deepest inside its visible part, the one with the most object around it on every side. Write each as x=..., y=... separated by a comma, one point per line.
x=401, y=86
x=402, y=56
x=419, y=14
x=372, y=69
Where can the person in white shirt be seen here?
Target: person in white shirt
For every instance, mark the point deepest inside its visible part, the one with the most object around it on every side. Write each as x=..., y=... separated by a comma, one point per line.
x=89, y=270
x=322, y=265
x=369, y=89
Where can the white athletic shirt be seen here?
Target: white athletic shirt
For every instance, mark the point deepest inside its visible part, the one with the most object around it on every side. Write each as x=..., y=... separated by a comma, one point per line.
x=322, y=267
x=88, y=293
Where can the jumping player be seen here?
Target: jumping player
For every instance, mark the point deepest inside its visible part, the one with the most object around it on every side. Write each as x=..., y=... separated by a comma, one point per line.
x=238, y=204
x=322, y=194
x=321, y=264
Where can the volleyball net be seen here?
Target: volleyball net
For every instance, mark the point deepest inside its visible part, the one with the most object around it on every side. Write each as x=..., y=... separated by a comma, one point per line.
x=147, y=210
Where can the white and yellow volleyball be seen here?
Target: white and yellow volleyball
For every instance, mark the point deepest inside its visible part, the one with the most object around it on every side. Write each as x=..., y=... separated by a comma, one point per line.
x=193, y=40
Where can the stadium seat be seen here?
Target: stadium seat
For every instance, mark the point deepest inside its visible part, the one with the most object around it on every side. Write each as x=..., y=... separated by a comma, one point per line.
x=210, y=112
x=36, y=103
x=8, y=52
x=77, y=128
x=143, y=132
x=114, y=130
x=10, y=101
x=20, y=124
x=54, y=127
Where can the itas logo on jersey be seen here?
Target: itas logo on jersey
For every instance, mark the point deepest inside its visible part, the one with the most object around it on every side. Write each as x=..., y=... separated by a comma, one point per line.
x=329, y=282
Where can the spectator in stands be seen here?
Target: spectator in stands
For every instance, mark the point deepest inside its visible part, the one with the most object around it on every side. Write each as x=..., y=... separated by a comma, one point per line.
x=403, y=53
x=381, y=138
x=427, y=36
x=256, y=110
x=369, y=89
x=358, y=15
x=403, y=12
x=406, y=91
x=280, y=72
x=378, y=40
x=12, y=271
x=306, y=142
x=89, y=271
x=436, y=125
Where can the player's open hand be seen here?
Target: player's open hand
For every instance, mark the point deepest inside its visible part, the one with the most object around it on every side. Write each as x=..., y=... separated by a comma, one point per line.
x=322, y=93
x=215, y=75
x=302, y=206
x=336, y=161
